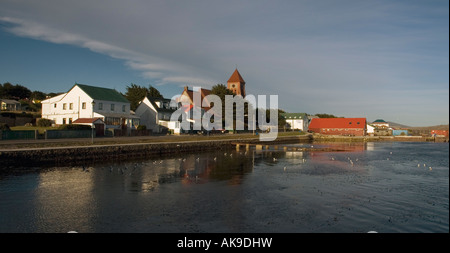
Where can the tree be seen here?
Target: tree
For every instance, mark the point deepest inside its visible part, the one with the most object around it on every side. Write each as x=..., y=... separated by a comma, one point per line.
x=7, y=90
x=135, y=94
x=324, y=115
x=38, y=95
x=221, y=91
x=153, y=92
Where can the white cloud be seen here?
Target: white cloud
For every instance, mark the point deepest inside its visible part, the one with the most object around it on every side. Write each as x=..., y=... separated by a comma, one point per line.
x=344, y=52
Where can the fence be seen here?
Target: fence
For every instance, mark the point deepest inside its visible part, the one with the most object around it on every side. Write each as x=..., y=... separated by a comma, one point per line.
x=59, y=134
x=19, y=135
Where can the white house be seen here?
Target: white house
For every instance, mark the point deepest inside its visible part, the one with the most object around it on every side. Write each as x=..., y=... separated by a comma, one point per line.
x=370, y=130
x=297, y=121
x=155, y=114
x=84, y=101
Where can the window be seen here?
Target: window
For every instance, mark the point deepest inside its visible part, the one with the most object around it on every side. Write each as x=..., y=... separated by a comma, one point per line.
x=100, y=106
x=112, y=121
x=54, y=105
x=83, y=105
x=124, y=107
x=64, y=121
x=112, y=107
x=64, y=106
x=71, y=106
x=70, y=120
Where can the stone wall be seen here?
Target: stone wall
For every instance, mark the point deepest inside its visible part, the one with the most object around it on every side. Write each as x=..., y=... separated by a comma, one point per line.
x=68, y=155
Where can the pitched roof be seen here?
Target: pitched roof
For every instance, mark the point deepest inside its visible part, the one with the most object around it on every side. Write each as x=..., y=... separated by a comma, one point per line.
x=9, y=101
x=153, y=101
x=236, y=77
x=101, y=93
x=86, y=120
x=338, y=123
x=190, y=94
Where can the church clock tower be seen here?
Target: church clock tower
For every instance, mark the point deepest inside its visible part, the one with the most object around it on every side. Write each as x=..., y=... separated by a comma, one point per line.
x=236, y=84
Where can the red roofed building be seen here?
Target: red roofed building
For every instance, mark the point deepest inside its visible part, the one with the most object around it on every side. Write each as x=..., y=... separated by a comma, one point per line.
x=439, y=133
x=339, y=126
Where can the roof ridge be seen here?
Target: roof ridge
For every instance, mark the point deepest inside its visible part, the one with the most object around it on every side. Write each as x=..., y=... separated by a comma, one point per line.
x=236, y=77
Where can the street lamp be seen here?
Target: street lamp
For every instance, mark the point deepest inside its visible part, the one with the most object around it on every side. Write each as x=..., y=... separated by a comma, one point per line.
x=93, y=126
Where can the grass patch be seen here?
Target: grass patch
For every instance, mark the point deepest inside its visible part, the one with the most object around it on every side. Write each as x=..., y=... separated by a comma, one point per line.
x=40, y=129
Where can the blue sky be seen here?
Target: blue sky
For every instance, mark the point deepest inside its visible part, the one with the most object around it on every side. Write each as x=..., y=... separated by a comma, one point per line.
x=373, y=59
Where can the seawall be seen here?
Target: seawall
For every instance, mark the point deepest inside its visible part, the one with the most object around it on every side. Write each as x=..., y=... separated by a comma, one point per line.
x=71, y=155
x=99, y=153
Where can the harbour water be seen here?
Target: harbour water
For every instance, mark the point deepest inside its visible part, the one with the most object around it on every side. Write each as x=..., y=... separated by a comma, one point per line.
x=388, y=187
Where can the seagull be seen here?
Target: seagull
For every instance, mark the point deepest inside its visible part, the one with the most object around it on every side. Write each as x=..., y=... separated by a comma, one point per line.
x=431, y=169
x=215, y=158
x=274, y=159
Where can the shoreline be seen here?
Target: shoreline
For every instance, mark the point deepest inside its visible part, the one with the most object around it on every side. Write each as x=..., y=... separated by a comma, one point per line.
x=64, y=155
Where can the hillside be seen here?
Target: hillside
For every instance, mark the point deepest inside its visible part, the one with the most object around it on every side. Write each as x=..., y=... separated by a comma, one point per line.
x=438, y=127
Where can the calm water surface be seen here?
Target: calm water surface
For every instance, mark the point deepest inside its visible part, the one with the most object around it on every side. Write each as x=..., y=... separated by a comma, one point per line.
x=386, y=187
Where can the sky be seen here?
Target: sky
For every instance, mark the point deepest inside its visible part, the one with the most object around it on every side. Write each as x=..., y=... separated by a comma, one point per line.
x=385, y=59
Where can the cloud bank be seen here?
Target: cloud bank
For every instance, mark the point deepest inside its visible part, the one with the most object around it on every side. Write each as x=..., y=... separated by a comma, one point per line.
x=349, y=58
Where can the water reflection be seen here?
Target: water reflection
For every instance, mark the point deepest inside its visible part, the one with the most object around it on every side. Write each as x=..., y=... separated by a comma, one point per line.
x=345, y=190
x=64, y=197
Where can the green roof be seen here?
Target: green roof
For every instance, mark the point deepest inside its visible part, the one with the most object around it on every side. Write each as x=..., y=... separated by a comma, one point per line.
x=379, y=121
x=100, y=93
x=294, y=115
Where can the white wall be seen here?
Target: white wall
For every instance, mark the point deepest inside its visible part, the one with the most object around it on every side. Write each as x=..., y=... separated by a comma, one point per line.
x=77, y=97
x=148, y=115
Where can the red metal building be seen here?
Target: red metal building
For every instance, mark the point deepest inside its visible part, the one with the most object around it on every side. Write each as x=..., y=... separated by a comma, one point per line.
x=440, y=133
x=339, y=126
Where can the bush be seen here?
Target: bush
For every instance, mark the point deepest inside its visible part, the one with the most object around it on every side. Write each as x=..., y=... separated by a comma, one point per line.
x=4, y=127
x=44, y=123
x=74, y=127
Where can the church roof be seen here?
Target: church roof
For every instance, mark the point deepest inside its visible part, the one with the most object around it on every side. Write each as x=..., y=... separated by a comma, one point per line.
x=236, y=77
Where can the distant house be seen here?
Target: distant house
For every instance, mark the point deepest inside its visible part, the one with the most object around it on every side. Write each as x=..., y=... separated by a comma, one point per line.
x=187, y=97
x=9, y=105
x=85, y=101
x=379, y=123
x=339, y=126
x=155, y=114
x=188, y=103
x=296, y=121
x=439, y=133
